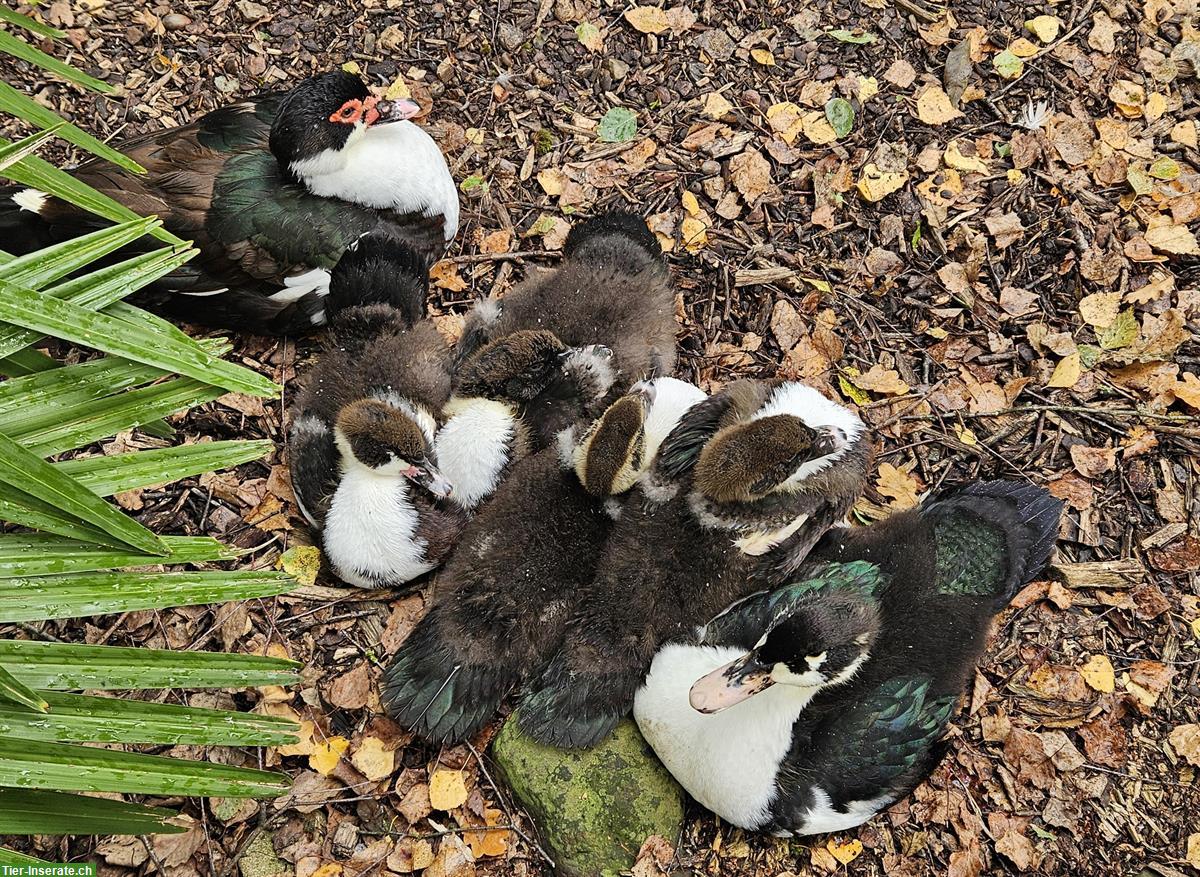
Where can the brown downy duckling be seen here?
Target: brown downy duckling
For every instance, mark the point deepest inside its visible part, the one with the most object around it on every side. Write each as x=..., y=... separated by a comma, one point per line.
x=740, y=491
x=504, y=597
x=488, y=426
x=613, y=289
x=361, y=446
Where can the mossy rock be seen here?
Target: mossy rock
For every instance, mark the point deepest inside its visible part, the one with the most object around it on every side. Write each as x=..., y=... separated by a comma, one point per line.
x=594, y=807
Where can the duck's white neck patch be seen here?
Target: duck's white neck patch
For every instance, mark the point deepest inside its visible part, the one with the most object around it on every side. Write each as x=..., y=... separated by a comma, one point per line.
x=394, y=166
x=728, y=761
x=806, y=403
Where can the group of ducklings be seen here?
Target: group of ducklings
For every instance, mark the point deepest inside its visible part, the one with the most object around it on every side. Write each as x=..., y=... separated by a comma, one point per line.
x=611, y=538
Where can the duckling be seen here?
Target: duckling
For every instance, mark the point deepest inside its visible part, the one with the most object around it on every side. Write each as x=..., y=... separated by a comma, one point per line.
x=810, y=708
x=739, y=492
x=612, y=288
x=362, y=461
x=506, y=593
x=488, y=426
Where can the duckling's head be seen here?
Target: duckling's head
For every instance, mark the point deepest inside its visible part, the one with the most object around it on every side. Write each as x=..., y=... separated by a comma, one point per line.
x=611, y=455
x=821, y=641
x=388, y=441
x=749, y=460
x=519, y=366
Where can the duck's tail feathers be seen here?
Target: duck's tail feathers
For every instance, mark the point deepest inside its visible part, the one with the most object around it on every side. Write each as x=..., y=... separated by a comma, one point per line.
x=617, y=238
x=22, y=229
x=996, y=535
x=379, y=268
x=437, y=693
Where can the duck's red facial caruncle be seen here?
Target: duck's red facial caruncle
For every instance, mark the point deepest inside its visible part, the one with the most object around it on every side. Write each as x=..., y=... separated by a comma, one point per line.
x=370, y=110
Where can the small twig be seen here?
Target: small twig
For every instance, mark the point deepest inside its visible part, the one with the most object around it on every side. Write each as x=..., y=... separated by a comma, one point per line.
x=476, y=258
x=504, y=806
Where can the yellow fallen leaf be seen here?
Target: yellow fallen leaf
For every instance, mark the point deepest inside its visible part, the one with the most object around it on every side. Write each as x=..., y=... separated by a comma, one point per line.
x=304, y=744
x=1196, y=628
x=955, y=159
x=1156, y=105
x=715, y=106
x=694, y=234
x=329, y=869
x=934, y=107
x=1022, y=48
x=868, y=87
x=301, y=562
x=1185, y=740
x=397, y=90
x=690, y=203
x=488, y=843
x=763, y=56
x=373, y=760
x=1177, y=239
x=965, y=435
x=1185, y=133
x=817, y=129
x=1044, y=27
x=1128, y=96
x=325, y=756
x=1067, y=372
x=787, y=120
x=1098, y=674
x=352, y=67
x=847, y=852
x=647, y=19
x=1100, y=309
x=447, y=789
x=876, y=184
x=902, y=487
x=422, y=855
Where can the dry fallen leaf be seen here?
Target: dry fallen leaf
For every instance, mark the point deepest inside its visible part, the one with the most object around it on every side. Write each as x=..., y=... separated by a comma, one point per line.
x=1044, y=27
x=881, y=380
x=1176, y=239
x=787, y=120
x=715, y=106
x=845, y=852
x=934, y=107
x=1185, y=740
x=325, y=756
x=1067, y=372
x=1098, y=674
x=445, y=276
x=373, y=759
x=447, y=789
x=1100, y=309
x=763, y=57
x=876, y=184
x=902, y=487
x=647, y=19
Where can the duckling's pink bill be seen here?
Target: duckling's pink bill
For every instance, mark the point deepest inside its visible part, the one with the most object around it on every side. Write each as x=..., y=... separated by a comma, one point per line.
x=722, y=688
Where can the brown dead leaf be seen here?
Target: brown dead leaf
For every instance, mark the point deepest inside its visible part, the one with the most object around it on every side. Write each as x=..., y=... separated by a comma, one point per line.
x=1104, y=740
x=903, y=488
x=1178, y=240
x=1093, y=462
x=882, y=380
x=934, y=107
x=445, y=276
x=647, y=19
x=1011, y=842
x=751, y=174
x=1006, y=229
x=351, y=690
x=1185, y=740
x=900, y=74
x=715, y=106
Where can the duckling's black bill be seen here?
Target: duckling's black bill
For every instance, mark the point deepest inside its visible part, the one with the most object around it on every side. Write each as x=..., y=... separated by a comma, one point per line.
x=731, y=684
x=430, y=478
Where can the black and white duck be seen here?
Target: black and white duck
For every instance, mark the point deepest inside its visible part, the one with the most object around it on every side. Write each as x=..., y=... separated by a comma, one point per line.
x=739, y=492
x=271, y=190
x=612, y=289
x=811, y=707
x=505, y=595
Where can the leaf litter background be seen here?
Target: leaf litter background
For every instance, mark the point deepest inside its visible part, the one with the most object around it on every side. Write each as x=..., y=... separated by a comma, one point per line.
x=978, y=226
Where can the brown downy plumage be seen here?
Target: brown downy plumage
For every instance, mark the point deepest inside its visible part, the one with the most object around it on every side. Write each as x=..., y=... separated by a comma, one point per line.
x=504, y=597
x=738, y=494
x=612, y=288
x=361, y=445
x=489, y=427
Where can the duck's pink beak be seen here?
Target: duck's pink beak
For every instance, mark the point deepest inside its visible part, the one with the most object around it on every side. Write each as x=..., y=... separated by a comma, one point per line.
x=737, y=681
x=396, y=110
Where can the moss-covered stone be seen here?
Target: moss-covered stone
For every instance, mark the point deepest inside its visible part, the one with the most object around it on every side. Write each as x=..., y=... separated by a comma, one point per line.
x=259, y=859
x=594, y=807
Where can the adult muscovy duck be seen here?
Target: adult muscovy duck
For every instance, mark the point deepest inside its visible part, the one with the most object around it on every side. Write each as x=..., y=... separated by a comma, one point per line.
x=272, y=190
